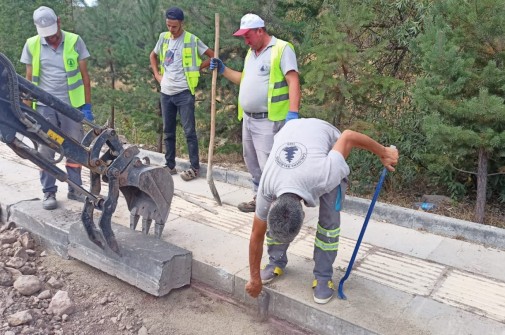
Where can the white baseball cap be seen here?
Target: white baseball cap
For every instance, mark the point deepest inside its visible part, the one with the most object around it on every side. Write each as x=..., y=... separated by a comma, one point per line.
x=45, y=21
x=248, y=22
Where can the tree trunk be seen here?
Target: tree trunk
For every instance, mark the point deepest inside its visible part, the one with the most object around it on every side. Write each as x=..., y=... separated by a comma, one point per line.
x=480, y=205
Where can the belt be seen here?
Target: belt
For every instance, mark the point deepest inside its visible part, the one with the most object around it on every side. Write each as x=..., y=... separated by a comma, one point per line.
x=257, y=115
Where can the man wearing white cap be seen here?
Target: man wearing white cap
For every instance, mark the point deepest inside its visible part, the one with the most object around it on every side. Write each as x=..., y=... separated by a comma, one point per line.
x=56, y=62
x=269, y=93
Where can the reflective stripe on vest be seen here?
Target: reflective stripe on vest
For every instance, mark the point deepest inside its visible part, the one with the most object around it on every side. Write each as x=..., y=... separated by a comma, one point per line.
x=278, y=90
x=190, y=58
x=75, y=86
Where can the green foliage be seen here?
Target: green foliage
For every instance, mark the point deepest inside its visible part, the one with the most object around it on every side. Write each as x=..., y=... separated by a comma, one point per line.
x=16, y=24
x=462, y=94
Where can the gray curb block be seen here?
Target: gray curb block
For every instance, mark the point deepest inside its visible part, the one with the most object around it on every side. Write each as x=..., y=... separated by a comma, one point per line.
x=437, y=224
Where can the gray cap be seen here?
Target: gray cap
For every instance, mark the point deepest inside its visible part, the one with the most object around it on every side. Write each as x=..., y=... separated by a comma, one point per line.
x=45, y=21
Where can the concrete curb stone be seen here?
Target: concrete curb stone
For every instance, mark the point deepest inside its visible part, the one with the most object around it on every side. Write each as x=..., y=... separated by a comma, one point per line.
x=437, y=224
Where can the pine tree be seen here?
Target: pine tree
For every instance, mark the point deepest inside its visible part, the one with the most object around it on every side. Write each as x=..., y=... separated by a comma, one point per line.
x=462, y=95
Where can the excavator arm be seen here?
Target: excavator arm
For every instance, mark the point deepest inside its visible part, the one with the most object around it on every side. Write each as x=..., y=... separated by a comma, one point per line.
x=148, y=190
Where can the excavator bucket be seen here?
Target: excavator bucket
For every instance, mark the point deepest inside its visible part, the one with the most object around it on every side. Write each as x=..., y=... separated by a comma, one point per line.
x=148, y=190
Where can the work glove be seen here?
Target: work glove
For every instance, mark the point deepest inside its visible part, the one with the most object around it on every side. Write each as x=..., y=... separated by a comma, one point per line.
x=291, y=116
x=216, y=63
x=86, y=111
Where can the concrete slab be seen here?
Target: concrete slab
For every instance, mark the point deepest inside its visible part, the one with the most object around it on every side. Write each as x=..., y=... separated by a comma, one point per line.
x=151, y=264
x=488, y=262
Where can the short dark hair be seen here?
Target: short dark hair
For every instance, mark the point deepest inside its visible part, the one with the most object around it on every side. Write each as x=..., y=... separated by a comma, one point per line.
x=285, y=218
x=174, y=13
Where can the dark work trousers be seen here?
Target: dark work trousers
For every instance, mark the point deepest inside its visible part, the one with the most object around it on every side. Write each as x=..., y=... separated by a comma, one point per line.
x=184, y=104
x=329, y=220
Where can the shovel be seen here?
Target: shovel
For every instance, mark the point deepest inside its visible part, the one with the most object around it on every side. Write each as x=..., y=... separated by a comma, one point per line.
x=210, y=179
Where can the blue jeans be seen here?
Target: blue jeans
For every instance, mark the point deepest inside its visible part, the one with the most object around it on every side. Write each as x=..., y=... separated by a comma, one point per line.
x=184, y=104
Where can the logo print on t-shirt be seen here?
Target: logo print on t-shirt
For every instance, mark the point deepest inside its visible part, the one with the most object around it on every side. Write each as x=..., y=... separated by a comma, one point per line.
x=290, y=155
x=169, y=58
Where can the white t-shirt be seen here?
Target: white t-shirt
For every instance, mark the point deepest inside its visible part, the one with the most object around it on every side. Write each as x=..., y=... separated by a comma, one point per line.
x=253, y=94
x=301, y=162
x=174, y=80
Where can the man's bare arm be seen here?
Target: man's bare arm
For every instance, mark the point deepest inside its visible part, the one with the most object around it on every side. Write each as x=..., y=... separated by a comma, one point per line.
x=352, y=139
x=259, y=229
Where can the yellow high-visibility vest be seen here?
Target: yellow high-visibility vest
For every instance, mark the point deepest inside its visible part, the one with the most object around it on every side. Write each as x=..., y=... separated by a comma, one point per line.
x=278, y=89
x=75, y=86
x=190, y=58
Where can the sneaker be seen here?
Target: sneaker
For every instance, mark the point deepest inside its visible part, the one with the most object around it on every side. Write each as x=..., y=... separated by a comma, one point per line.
x=74, y=196
x=189, y=174
x=49, y=201
x=323, y=291
x=247, y=207
x=270, y=272
x=171, y=171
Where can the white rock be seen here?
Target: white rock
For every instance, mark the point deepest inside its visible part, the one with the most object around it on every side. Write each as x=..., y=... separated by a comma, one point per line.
x=142, y=331
x=19, y=318
x=5, y=277
x=54, y=283
x=61, y=304
x=27, y=285
x=45, y=294
x=26, y=240
x=14, y=272
x=43, y=254
x=16, y=262
x=10, y=333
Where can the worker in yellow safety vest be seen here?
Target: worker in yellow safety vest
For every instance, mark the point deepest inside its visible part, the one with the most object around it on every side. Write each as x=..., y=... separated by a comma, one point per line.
x=269, y=94
x=176, y=62
x=56, y=61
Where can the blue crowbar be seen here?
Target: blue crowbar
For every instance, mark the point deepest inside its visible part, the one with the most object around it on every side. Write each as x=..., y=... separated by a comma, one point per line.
x=341, y=294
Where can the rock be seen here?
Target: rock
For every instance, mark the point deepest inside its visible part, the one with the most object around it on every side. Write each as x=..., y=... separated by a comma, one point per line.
x=16, y=262
x=28, y=270
x=10, y=225
x=31, y=252
x=21, y=253
x=27, y=285
x=26, y=240
x=14, y=272
x=142, y=331
x=19, y=318
x=9, y=333
x=436, y=199
x=103, y=301
x=43, y=254
x=16, y=244
x=61, y=304
x=54, y=283
x=113, y=319
x=45, y=294
x=64, y=317
x=5, y=277
x=7, y=239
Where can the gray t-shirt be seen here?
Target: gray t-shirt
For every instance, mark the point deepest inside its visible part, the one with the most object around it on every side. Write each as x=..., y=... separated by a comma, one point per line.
x=253, y=95
x=301, y=162
x=53, y=78
x=174, y=80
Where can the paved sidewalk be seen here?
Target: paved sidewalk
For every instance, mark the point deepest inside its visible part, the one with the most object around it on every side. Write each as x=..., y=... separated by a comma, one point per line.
x=405, y=281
